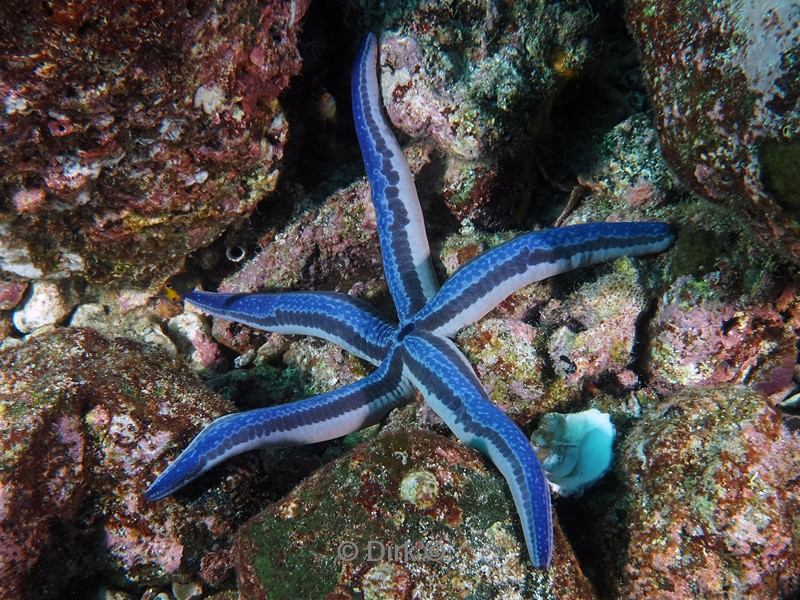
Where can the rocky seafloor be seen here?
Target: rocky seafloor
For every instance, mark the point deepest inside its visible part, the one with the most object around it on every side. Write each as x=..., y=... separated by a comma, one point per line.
x=149, y=148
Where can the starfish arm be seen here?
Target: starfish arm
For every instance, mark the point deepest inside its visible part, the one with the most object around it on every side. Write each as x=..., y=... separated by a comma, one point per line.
x=404, y=244
x=449, y=385
x=347, y=322
x=308, y=421
x=484, y=282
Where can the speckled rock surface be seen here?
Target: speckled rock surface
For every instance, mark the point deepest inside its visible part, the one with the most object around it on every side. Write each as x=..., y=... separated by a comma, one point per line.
x=133, y=134
x=46, y=303
x=714, y=294
x=479, y=82
x=413, y=488
x=712, y=475
x=703, y=342
x=141, y=324
x=11, y=293
x=726, y=102
x=86, y=424
x=596, y=327
x=192, y=334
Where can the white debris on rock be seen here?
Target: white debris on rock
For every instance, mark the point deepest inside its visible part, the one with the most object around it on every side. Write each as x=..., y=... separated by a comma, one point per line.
x=47, y=303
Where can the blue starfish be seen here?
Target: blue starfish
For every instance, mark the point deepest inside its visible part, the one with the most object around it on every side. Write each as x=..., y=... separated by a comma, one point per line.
x=416, y=353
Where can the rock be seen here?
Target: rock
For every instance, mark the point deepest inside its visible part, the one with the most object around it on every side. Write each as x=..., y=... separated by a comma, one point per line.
x=726, y=103
x=705, y=342
x=48, y=303
x=138, y=324
x=111, y=172
x=409, y=514
x=480, y=85
x=11, y=293
x=192, y=335
x=713, y=499
x=596, y=326
x=504, y=355
x=86, y=425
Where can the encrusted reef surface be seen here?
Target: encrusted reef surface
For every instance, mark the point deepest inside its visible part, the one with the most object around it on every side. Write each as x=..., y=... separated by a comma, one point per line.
x=132, y=134
x=85, y=421
x=711, y=482
x=423, y=518
x=724, y=78
x=131, y=140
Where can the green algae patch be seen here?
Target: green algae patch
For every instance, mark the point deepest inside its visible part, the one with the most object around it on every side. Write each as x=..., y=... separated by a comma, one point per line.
x=717, y=254
x=779, y=162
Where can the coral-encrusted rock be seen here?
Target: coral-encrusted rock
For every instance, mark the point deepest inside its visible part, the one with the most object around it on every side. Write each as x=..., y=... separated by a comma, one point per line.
x=192, y=335
x=707, y=342
x=133, y=134
x=480, y=84
x=48, y=303
x=599, y=327
x=447, y=521
x=85, y=424
x=504, y=355
x=11, y=293
x=139, y=325
x=713, y=499
x=725, y=81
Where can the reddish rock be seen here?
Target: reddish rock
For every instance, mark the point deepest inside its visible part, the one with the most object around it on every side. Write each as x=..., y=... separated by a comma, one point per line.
x=134, y=134
x=713, y=499
x=86, y=425
x=11, y=293
x=442, y=521
x=726, y=102
x=192, y=335
x=707, y=342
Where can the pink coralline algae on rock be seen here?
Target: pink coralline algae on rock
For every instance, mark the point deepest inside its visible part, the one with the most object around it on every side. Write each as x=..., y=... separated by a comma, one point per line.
x=132, y=134
x=725, y=81
x=710, y=342
x=714, y=499
x=11, y=293
x=85, y=424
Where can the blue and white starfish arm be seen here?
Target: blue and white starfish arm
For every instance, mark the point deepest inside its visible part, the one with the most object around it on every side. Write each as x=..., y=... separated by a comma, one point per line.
x=444, y=376
x=404, y=244
x=348, y=322
x=308, y=421
x=485, y=281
